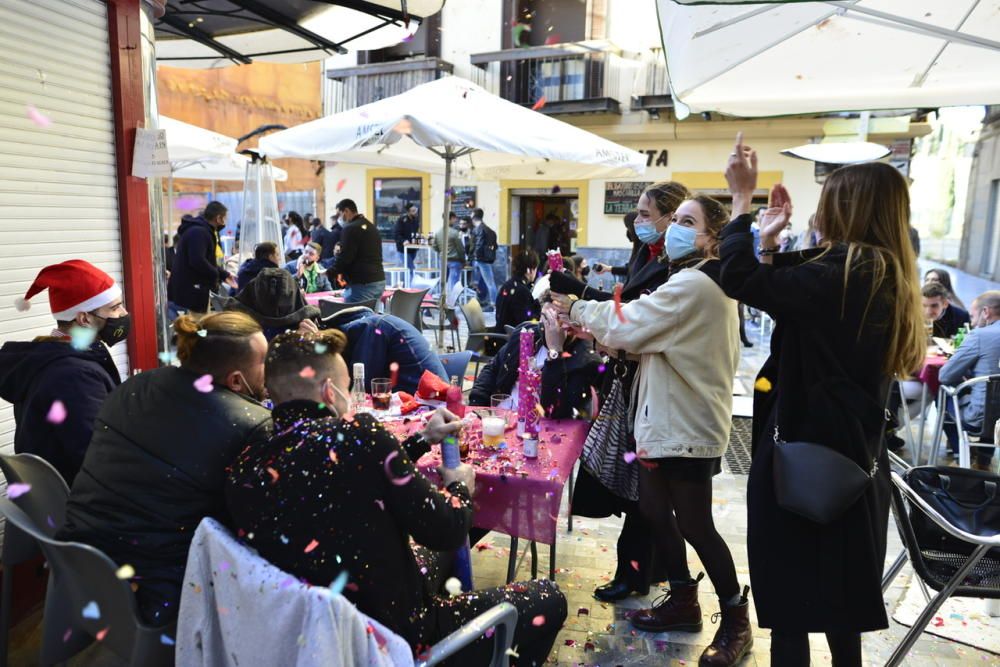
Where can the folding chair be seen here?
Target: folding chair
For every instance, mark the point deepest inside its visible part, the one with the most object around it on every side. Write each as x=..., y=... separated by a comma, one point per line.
x=86, y=599
x=951, y=574
x=456, y=364
x=45, y=504
x=990, y=416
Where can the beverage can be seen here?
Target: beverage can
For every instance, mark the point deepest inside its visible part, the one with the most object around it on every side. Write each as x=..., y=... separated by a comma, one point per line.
x=449, y=452
x=530, y=448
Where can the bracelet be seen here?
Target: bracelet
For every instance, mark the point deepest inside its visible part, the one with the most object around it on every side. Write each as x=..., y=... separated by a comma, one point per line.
x=773, y=250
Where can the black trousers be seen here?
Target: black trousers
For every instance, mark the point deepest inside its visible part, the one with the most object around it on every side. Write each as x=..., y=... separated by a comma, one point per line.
x=541, y=612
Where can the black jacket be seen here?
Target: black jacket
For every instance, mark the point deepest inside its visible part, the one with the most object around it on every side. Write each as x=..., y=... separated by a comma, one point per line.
x=34, y=375
x=195, y=272
x=360, y=258
x=515, y=305
x=484, y=244
x=250, y=268
x=951, y=320
x=155, y=468
x=826, y=386
x=566, y=381
x=331, y=505
x=643, y=277
x=406, y=230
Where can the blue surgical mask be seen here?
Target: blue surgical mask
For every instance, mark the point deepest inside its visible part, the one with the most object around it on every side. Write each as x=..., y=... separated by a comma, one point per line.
x=645, y=230
x=680, y=241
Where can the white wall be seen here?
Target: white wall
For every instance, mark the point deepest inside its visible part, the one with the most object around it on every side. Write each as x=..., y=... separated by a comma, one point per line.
x=470, y=26
x=632, y=25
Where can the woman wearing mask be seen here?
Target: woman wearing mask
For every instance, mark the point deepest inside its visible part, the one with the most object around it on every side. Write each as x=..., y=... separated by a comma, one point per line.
x=646, y=272
x=686, y=335
x=847, y=320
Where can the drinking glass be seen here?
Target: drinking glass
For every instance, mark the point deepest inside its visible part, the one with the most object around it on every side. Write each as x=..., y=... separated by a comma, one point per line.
x=381, y=393
x=494, y=424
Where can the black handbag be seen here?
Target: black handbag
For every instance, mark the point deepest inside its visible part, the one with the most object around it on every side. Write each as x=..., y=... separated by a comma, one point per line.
x=816, y=481
x=968, y=499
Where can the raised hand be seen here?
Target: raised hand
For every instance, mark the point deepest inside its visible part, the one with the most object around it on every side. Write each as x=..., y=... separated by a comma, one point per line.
x=741, y=175
x=777, y=215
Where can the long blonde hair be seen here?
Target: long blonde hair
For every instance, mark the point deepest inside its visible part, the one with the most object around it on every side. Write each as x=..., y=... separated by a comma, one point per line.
x=867, y=206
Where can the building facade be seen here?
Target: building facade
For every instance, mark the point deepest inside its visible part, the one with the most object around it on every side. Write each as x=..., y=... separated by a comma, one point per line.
x=980, y=254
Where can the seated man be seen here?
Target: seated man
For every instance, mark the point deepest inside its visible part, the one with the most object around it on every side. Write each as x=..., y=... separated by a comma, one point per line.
x=377, y=341
x=58, y=382
x=978, y=355
x=334, y=496
x=308, y=272
x=275, y=301
x=265, y=256
x=569, y=368
x=156, y=464
x=947, y=317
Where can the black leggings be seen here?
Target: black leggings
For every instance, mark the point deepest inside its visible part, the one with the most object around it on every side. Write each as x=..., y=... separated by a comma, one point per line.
x=680, y=511
x=791, y=649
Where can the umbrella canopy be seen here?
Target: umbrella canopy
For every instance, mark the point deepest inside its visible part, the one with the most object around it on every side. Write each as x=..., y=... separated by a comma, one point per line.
x=217, y=33
x=232, y=167
x=491, y=138
x=777, y=58
x=187, y=144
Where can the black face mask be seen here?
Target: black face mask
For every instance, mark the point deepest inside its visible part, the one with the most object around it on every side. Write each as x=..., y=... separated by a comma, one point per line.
x=115, y=330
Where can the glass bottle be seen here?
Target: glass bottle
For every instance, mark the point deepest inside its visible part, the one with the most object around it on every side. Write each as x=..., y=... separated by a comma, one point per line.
x=359, y=397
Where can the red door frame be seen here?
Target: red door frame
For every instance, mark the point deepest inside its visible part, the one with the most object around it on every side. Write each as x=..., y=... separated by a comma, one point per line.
x=133, y=193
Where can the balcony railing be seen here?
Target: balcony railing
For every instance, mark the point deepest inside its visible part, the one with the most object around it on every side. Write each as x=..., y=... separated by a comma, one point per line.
x=579, y=77
x=350, y=87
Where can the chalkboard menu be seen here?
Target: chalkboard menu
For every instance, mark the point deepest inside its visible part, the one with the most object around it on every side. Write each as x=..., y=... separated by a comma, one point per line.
x=463, y=200
x=620, y=197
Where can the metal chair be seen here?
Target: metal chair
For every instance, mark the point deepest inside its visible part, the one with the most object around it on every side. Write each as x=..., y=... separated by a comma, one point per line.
x=976, y=575
x=86, y=599
x=990, y=417
x=434, y=323
x=456, y=364
x=45, y=504
x=217, y=302
x=328, y=308
x=405, y=304
x=478, y=333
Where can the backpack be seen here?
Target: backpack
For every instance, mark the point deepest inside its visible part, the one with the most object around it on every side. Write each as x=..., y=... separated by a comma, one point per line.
x=488, y=252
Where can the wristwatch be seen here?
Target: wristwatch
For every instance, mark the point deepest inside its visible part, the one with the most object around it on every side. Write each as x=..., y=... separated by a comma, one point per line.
x=554, y=354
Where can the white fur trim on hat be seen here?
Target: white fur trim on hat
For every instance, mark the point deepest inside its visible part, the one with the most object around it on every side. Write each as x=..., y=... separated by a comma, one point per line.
x=93, y=303
x=22, y=304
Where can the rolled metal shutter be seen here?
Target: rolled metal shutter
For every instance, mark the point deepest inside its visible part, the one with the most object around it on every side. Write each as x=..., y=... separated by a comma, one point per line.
x=58, y=181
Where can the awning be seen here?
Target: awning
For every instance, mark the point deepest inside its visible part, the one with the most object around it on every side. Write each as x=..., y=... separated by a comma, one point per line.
x=217, y=33
x=792, y=57
x=229, y=168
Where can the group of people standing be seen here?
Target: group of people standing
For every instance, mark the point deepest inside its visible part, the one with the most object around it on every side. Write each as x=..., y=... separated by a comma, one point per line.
x=317, y=490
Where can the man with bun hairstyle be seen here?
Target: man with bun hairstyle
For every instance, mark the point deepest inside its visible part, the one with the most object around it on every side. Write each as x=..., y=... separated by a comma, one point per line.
x=58, y=382
x=156, y=465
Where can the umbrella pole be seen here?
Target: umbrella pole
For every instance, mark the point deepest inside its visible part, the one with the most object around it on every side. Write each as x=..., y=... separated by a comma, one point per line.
x=449, y=157
x=170, y=200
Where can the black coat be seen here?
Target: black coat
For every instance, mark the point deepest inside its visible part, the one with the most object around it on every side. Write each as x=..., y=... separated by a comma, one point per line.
x=36, y=374
x=515, y=305
x=195, y=272
x=406, y=230
x=155, y=468
x=566, y=381
x=484, y=244
x=360, y=258
x=827, y=386
x=952, y=319
x=250, y=268
x=332, y=488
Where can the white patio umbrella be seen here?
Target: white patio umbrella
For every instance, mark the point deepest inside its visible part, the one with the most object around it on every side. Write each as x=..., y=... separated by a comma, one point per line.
x=189, y=145
x=790, y=57
x=232, y=167
x=453, y=123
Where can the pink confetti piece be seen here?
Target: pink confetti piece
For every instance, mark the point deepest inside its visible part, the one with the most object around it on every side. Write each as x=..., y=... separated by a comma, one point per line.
x=538, y=621
x=634, y=564
x=17, y=489
x=333, y=456
x=67, y=635
x=538, y=104
x=629, y=457
x=393, y=374
x=204, y=384
x=37, y=117
x=398, y=481
x=341, y=183
x=101, y=634
x=274, y=475
x=489, y=632
x=57, y=413
x=307, y=373
x=618, y=304
x=381, y=505
x=312, y=545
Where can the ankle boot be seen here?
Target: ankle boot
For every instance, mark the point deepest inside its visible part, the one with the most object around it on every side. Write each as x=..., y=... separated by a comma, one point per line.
x=618, y=589
x=677, y=609
x=734, y=637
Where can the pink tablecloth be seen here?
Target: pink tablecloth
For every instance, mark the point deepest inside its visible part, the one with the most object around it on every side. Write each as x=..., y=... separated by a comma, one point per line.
x=929, y=373
x=314, y=298
x=514, y=495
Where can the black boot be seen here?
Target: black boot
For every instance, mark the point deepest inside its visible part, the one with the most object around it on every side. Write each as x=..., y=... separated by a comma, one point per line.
x=734, y=638
x=618, y=589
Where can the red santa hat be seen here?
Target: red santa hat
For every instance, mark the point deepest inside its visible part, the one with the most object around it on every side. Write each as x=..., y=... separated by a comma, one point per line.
x=74, y=286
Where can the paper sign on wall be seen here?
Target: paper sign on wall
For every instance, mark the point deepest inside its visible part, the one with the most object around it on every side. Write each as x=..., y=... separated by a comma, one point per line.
x=150, y=157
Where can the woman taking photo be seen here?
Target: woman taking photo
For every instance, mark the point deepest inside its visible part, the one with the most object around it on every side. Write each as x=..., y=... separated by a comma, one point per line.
x=639, y=562
x=686, y=335
x=847, y=320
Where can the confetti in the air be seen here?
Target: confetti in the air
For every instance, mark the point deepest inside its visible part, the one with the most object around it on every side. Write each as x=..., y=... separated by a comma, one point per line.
x=204, y=384
x=81, y=338
x=57, y=413
x=393, y=374
x=453, y=586
x=101, y=634
x=338, y=585
x=17, y=489
x=341, y=183
x=618, y=304
x=629, y=457
x=125, y=572
x=167, y=640
x=320, y=348
x=539, y=104
x=37, y=117
x=762, y=385
x=307, y=373
x=167, y=358
x=312, y=545
x=538, y=621
x=634, y=564
x=91, y=611
x=202, y=332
